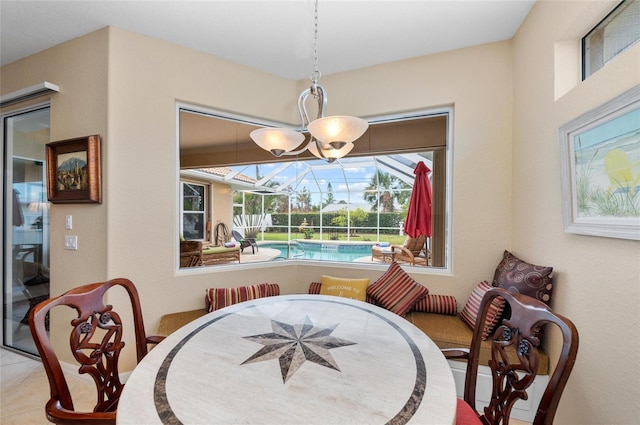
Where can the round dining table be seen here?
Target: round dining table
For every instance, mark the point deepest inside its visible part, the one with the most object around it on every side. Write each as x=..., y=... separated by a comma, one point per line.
x=292, y=359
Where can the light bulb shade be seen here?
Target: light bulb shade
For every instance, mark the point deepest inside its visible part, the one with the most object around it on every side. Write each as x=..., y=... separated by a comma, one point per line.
x=328, y=152
x=277, y=140
x=338, y=128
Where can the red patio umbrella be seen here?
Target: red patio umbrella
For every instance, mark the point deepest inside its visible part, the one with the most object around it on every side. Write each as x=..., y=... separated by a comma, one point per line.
x=418, y=220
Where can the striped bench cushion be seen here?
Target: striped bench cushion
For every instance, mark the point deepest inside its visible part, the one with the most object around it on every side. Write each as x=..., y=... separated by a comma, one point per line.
x=217, y=298
x=470, y=311
x=440, y=304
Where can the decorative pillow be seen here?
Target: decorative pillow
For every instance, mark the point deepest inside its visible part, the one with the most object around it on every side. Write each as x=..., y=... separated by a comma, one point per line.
x=217, y=298
x=396, y=291
x=440, y=304
x=517, y=276
x=469, y=313
x=314, y=288
x=341, y=287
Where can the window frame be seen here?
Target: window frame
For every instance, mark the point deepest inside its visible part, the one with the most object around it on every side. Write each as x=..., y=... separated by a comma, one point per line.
x=447, y=173
x=602, y=25
x=205, y=208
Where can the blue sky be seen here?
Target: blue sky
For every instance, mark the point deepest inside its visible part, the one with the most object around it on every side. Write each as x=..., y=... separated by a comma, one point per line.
x=350, y=175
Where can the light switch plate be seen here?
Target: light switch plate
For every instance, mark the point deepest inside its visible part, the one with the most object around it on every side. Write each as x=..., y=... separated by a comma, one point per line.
x=69, y=222
x=71, y=242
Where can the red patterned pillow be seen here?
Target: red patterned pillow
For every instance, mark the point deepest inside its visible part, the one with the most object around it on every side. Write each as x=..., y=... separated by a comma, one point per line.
x=217, y=298
x=272, y=289
x=440, y=304
x=520, y=277
x=469, y=313
x=396, y=291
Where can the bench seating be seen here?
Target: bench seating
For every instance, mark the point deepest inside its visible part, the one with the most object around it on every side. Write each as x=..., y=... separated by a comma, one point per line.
x=446, y=331
x=216, y=298
x=451, y=332
x=171, y=322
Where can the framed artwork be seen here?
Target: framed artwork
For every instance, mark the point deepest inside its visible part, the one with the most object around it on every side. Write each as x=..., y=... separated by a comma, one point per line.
x=73, y=171
x=600, y=153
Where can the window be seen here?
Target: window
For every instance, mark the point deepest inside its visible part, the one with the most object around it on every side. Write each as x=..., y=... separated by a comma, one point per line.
x=303, y=208
x=193, y=211
x=615, y=33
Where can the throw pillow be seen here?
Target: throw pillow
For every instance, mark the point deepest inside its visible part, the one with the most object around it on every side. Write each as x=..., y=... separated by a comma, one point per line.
x=517, y=276
x=217, y=298
x=314, y=288
x=469, y=313
x=439, y=304
x=396, y=291
x=341, y=287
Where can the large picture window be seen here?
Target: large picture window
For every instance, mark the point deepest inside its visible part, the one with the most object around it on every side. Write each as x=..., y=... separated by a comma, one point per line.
x=304, y=208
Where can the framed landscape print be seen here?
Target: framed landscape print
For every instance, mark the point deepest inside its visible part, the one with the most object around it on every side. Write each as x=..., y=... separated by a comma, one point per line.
x=600, y=153
x=73, y=170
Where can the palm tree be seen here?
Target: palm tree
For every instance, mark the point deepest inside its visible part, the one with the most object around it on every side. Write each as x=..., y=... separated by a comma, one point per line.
x=383, y=190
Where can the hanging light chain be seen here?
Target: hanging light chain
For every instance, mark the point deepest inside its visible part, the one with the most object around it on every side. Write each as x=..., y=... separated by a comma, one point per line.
x=316, y=73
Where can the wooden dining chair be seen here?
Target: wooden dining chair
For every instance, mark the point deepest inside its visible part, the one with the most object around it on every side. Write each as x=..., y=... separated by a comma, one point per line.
x=513, y=375
x=95, y=342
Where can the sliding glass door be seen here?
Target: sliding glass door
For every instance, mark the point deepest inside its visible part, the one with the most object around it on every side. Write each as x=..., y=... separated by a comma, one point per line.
x=25, y=222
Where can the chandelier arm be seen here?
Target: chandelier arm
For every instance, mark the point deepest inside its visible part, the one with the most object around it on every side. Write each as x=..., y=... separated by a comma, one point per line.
x=302, y=109
x=298, y=152
x=321, y=95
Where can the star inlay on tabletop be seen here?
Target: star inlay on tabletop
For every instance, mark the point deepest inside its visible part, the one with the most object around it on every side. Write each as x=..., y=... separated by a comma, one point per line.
x=295, y=344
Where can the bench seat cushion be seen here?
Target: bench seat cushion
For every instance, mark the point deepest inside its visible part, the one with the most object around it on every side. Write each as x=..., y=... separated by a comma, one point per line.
x=451, y=332
x=220, y=250
x=220, y=254
x=174, y=321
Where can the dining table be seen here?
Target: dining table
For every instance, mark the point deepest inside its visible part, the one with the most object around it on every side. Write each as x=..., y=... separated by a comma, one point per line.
x=292, y=359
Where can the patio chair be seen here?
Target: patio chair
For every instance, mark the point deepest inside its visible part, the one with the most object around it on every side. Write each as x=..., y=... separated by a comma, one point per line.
x=244, y=242
x=513, y=376
x=190, y=253
x=95, y=343
x=413, y=251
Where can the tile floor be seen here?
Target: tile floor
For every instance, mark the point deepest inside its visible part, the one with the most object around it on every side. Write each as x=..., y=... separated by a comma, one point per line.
x=25, y=391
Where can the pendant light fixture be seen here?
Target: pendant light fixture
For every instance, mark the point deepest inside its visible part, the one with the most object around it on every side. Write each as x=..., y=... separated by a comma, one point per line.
x=330, y=137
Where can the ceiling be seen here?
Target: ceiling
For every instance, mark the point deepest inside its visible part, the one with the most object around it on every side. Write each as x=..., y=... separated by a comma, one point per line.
x=273, y=36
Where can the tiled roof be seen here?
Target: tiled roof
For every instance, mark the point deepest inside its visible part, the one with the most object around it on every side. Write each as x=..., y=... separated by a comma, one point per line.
x=224, y=171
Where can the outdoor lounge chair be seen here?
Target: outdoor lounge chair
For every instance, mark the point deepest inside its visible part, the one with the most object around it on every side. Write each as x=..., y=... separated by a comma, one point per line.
x=382, y=252
x=190, y=253
x=244, y=242
x=220, y=254
x=413, y=251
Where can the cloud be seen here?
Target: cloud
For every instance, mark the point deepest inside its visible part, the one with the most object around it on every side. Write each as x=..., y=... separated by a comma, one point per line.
x=352, y=187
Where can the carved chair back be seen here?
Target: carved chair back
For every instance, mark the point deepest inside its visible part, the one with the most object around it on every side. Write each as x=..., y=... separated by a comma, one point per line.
x=512, y=377
x=95, y=342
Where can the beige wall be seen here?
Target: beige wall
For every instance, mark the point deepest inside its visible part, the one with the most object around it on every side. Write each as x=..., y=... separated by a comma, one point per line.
x=125, y=87
x=597, y=280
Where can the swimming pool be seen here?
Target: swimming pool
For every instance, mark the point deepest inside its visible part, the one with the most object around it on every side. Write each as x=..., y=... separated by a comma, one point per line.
x=322, y=251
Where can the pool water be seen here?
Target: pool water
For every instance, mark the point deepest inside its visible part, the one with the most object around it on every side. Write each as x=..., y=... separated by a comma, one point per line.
x=320, y=251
